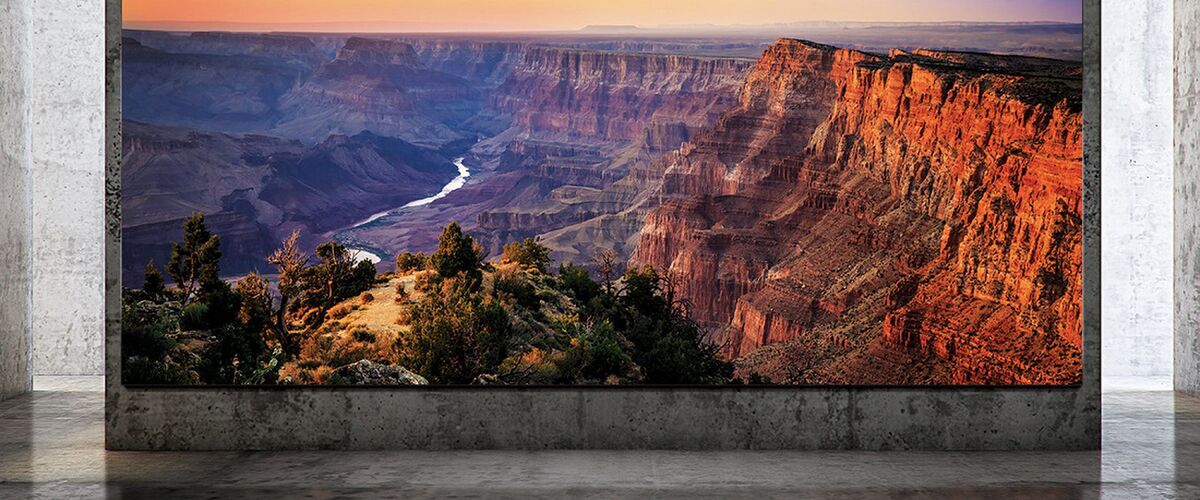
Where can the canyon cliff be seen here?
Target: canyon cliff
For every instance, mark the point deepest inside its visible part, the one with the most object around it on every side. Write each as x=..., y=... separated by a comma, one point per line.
x=613, y=96
x=255, y=189
x=292, y=49
x=382, y=87
x=581, y=122
x=233, y=93
x=486, y=63
x=909, y=218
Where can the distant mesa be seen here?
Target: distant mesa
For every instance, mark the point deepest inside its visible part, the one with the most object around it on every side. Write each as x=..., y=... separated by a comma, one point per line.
x=383, y=52
x=611, y=28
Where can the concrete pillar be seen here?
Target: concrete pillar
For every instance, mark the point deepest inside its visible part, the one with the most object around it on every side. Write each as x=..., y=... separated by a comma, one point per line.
x=15, y=232
x=1187, y=197
x=1137, y=163
x=66, y=72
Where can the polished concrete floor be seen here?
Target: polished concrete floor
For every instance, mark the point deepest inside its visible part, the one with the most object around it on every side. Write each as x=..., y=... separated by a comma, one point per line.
x=52, y=446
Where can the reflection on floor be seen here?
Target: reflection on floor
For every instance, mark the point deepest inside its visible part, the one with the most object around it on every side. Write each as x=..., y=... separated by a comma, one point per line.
x=52, y=446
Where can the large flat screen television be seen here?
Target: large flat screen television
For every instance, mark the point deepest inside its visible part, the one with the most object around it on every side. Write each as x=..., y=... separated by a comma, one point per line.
x=599, y=193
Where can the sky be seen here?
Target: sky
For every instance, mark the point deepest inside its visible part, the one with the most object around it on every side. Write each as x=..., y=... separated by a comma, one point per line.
x=557, y=15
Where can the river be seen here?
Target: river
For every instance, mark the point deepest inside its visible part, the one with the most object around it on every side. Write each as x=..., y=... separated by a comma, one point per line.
x=454, y=184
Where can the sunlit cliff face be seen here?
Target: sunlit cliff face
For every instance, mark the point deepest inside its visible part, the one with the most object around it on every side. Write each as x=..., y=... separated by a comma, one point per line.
x=934, y=196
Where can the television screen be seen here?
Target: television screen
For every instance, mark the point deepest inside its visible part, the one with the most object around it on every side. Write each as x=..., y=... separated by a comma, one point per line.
x=600, y=192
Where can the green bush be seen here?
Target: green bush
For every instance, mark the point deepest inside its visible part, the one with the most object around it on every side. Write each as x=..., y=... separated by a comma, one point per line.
x=335, y=278
x=146, y=344
x=456, y=335
x=408, y=262
x=518, y=287
x=458, y=255
x=194, y=317
x=234, y=357
x=141, y=370
x=528, y=254
x=577, y=284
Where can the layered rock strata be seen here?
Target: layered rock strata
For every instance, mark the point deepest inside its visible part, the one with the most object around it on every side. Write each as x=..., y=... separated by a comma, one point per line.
x=910, y=218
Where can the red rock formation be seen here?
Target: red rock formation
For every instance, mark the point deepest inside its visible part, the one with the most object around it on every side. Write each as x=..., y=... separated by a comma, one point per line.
x=905, y=219
x=581, y=121
x=611, y=96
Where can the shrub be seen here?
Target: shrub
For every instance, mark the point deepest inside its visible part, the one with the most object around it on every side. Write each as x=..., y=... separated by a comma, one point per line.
x=255, y=311
x=458, y=255
x=366, y=297
x=575, y=282
x=234, y=357
x=518, y=287
x=335, y=278
x=224, y=305
x=528, y=254
x=152, y=283
x=339, y=311
x=147, y=345
x=606, y=356
x=408, y=262
x=425, y=281
x=666, y=344
x=141, y=370
x=194, y=317
x=195, y=263
x=363, y=335
x=456, y=335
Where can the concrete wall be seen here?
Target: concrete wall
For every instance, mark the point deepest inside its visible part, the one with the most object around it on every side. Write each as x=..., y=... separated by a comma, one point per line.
x=1137, y=165
x=1187, y=196
x=14, y=199
x=710, y=418
x=67, y=103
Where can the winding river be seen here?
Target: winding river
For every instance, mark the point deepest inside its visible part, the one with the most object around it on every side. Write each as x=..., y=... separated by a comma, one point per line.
x=454, y=184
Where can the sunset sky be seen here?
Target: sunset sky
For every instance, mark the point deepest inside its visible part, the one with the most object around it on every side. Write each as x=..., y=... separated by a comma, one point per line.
x=518, y=15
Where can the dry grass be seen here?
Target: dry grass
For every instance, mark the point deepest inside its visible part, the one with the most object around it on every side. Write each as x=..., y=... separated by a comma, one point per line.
x=364, y=327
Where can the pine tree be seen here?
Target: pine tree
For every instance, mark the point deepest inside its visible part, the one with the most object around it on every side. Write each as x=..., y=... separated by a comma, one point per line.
x=196, y=263
x=457, y=254
x=255, y=311
x=153, y=283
